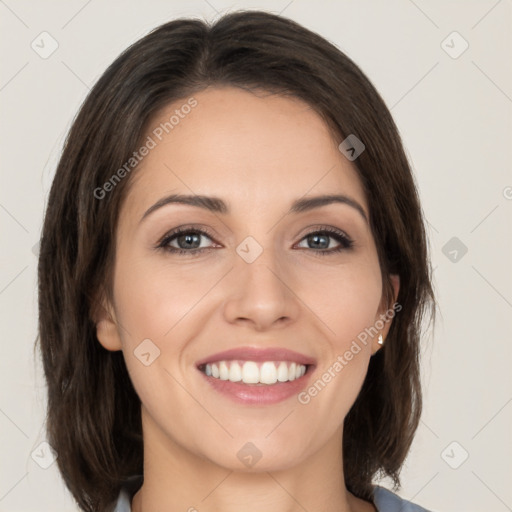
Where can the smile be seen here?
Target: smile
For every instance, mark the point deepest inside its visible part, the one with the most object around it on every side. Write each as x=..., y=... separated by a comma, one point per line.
x=252, y=372
x=257, y=376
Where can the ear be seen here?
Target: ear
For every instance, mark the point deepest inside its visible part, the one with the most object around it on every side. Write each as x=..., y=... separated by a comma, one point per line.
x=103, y=316
x=386, y=314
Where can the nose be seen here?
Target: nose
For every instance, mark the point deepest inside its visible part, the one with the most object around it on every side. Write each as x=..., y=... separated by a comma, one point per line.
x=261, y=294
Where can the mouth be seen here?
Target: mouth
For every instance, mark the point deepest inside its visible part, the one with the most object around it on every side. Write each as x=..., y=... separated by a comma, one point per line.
x=257, y=376
x=252, y=372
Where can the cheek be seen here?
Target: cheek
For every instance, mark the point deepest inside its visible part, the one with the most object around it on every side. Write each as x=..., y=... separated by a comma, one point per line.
x=347, y=305
x=345, y=298
x=152, y=299
x=159, y=308
x=153, y=306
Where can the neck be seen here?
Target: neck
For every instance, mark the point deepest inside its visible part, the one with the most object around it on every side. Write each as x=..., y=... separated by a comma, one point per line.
x=177, y=480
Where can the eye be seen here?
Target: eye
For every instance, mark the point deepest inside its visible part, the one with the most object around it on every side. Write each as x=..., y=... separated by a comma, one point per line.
x=319, y=241
x=185, y=240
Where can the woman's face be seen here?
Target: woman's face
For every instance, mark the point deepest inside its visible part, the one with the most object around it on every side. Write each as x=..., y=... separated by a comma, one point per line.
x=274, y=291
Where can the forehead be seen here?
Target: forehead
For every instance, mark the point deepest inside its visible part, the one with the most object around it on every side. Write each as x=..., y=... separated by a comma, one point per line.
x=254, y=149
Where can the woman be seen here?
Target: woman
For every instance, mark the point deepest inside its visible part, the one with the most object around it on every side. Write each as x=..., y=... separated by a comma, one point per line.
x=233, y=273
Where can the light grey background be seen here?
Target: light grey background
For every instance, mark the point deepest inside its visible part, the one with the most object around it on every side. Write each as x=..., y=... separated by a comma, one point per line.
x=455, y=118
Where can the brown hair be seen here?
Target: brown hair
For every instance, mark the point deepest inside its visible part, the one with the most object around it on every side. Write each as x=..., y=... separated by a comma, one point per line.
x=93, y=416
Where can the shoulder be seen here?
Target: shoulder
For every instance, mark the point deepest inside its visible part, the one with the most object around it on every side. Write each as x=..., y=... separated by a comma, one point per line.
x=387, y=501
x=130, y=487
x=123, y=503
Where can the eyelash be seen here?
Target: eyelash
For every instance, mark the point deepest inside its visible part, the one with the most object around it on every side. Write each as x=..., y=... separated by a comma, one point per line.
x=345, y=242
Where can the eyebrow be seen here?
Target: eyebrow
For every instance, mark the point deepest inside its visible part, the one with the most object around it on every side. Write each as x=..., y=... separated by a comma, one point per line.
x=217, y=205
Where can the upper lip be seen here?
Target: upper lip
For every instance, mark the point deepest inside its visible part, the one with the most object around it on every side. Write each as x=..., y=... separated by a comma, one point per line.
x=258, y=355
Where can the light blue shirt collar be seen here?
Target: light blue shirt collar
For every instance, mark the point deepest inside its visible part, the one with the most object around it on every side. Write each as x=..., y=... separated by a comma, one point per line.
x=383, y=499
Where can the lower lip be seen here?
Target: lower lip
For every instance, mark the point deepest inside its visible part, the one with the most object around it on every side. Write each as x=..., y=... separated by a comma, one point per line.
x=259, y=394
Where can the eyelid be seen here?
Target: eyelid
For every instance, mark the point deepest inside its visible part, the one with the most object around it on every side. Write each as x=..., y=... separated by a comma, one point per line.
x=185, y=229
x=314, y=228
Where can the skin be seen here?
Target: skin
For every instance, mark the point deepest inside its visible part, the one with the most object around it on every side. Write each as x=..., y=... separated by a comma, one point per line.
x=259, y=153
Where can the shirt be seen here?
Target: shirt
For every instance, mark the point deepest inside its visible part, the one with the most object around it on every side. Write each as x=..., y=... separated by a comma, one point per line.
x=383, y=499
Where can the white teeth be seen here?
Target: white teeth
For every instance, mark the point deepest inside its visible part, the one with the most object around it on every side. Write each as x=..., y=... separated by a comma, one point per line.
x=282, y=372
x=268, y=373
x=250, y=372
x=235, y=372
x=223, y=370
x=291, y=371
